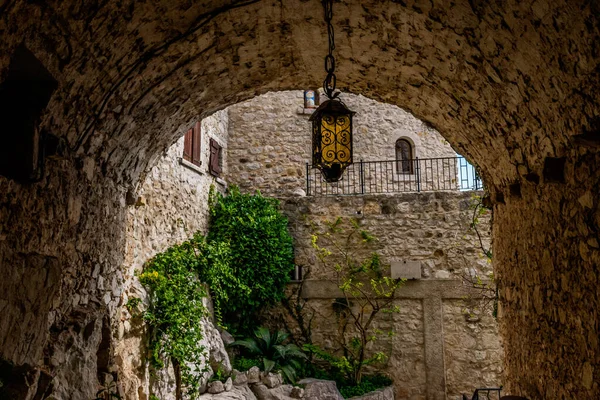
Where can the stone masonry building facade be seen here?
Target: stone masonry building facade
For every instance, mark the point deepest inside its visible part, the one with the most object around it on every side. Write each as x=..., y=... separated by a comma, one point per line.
x=437, y=350
x=511, y=85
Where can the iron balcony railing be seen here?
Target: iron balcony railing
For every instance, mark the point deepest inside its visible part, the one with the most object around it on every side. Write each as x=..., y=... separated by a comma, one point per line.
x=418, y=175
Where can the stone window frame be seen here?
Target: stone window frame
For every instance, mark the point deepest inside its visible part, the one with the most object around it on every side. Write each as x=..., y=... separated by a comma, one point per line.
x=409, y=163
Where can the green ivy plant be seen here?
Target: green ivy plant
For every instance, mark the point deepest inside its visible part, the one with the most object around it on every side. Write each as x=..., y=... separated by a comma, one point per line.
x=260, y=256
x=245, y=260
x=175, y=312
x=276, y=356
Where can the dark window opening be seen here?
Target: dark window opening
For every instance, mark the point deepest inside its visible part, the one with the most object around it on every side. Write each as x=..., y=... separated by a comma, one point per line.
x=191, y=146
x=215, y=164
x=404, y=157
x=24, y=95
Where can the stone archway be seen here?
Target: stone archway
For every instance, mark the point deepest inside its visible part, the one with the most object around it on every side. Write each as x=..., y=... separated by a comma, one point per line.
x=514, y=86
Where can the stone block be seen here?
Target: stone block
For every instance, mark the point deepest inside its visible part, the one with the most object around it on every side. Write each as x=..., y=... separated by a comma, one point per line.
x=386, y=393
x=239, y=378
x=320, y=389
x=406, y=269
x=253, y=375
x=272, y=380
x=216, y=387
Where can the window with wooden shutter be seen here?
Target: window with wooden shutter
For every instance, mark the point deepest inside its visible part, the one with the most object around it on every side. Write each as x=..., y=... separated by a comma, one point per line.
x=187, y=145
x=196, y=137
x=191, y=145
x=214, y=165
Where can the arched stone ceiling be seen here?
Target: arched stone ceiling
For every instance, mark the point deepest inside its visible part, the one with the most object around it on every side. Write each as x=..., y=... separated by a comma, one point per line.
x=507, y=83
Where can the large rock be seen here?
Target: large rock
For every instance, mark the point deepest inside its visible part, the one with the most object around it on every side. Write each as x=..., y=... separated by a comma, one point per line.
x=319, y=389
x=216, y=387
x=239, y=378
x=236, y=393
x=216, y=355
x=386, y=393
x=226, y=337
x=297, y=393
x=262, y=392
x=272, y=380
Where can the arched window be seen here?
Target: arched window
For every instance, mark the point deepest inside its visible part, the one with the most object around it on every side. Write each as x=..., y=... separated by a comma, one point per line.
x=404, y=157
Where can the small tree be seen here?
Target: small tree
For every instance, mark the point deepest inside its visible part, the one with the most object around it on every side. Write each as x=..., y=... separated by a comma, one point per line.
x=346, y=249
x=482, y=294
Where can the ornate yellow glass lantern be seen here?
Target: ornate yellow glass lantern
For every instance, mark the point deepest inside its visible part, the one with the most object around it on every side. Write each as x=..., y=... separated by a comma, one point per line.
x=332, y=139
x=332, y=121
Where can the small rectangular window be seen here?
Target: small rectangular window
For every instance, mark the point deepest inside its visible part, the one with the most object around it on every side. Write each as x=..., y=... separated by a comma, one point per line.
x=191, y=145
x=215, y=163
x=24, y=95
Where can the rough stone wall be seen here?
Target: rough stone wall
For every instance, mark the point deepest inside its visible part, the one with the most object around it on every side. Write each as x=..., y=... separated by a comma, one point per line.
x=171, y=205
x=62, y=241
x=433, y=228
x=434, y=338
x=172, y=201
x=472, y=349
x=549, y=315
x=270, y=139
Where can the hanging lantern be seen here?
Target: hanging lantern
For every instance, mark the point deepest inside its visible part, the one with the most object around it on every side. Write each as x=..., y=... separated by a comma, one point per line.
x=332, y=139
x=332, y=121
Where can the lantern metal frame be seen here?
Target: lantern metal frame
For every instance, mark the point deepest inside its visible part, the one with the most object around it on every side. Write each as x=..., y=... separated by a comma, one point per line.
x=332, y=120
x=332, y=139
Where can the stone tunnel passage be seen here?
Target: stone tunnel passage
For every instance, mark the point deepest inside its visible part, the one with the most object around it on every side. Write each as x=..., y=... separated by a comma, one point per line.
x=513, y=86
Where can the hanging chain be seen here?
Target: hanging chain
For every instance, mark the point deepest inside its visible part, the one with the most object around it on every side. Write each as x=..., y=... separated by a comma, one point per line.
x=331, y=80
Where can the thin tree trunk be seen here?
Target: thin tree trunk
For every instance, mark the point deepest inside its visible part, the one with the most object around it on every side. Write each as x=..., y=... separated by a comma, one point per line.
x=177, y=369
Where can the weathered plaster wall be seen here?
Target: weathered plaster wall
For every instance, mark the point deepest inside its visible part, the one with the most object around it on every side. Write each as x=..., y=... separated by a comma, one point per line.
x=270, y=139
x=171, y=205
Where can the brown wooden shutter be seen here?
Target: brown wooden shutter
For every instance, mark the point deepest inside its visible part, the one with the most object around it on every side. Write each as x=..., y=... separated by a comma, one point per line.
x=196, y=141
x=214, y=165
x=187, y=145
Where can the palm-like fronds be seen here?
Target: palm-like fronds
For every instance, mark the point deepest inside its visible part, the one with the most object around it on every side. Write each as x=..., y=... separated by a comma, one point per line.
x=275, y=355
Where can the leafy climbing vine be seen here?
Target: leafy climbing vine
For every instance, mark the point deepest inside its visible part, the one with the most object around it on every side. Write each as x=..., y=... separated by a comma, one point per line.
x=245, y=260
x=345, y=248
x=175, y=312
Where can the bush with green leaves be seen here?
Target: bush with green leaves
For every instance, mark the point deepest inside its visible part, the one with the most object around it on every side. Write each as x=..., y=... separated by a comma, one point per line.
x=260, y=255
x=242, y=363
x=368, y=384
x=275, y=355
x=175, y=311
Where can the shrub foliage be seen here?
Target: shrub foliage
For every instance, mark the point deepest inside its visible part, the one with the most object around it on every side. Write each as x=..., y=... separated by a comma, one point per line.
x=260, y=251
